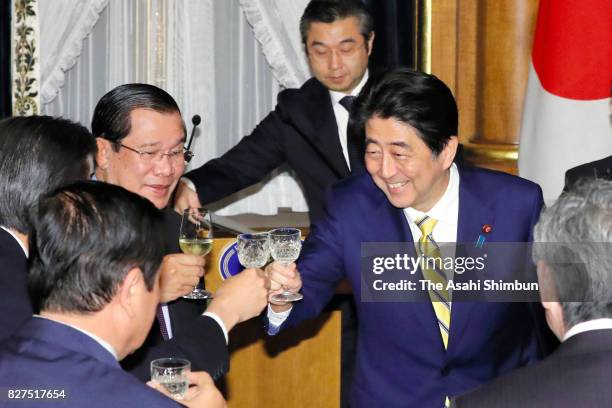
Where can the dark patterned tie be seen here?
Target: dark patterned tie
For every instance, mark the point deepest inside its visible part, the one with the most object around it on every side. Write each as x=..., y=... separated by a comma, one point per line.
x=347, y=102
x=354, y=147
x=162, y=322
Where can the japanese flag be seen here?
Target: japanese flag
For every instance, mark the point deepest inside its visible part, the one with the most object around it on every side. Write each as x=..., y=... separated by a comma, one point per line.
x=566, y=117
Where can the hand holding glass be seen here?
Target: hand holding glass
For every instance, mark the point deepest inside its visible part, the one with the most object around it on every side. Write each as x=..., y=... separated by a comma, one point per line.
x=196, y=238
x=171, y=373
x=285, y=245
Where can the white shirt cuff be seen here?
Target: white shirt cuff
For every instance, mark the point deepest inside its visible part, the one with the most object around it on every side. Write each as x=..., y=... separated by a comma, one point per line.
x=219, y=322
x=277, y=318
x=189, y=184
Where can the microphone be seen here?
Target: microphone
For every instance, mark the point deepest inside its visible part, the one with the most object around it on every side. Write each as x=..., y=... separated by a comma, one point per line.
x=195, y=121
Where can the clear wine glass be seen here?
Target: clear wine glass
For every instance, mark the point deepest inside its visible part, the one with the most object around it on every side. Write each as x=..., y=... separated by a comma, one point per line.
x=196, y=238
x=171, y=373
x=254, y=249
x=285, y=246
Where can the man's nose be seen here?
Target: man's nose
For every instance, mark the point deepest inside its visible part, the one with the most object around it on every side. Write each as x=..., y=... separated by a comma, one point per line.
x=387, y=167
x=335, y=60
x=164, y=166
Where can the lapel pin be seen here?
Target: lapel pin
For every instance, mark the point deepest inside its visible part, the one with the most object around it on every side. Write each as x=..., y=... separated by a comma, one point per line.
x=481, y=238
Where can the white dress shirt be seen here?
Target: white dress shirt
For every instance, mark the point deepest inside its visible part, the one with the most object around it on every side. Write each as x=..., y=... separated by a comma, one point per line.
x=445, y=211
x=595, y=324
x=25, y=250
x=342, y=115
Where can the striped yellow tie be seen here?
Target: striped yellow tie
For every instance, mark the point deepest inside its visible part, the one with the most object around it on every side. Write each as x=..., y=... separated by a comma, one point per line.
x=432, y=270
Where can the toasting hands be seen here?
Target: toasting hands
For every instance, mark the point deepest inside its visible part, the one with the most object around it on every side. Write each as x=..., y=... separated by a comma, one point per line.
x=179, y=273
x=282, y=277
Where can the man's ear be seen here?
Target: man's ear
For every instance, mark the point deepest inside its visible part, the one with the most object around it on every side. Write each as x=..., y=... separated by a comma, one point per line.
x=546, y=284
x=129, y=291
x=103, y=153
x=371, y=43
x=550, y=300
x=450, y=150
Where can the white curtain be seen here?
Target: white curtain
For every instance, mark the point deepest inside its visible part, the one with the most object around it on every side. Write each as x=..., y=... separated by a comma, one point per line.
x=276, y=27
x=122, y=47
x=204, y=53
x=245, y=93
x=63, y=26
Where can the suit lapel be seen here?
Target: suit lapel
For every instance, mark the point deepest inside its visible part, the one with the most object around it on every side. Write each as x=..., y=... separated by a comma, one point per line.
x=396, y=229
x=322, y=134
x=474, y=212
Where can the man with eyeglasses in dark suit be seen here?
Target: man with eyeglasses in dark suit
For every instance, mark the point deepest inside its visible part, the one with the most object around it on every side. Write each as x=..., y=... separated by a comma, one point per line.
x=140, y=136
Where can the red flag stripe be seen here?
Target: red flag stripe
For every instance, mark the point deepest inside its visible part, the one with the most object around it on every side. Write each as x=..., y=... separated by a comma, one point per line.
x=572, y=51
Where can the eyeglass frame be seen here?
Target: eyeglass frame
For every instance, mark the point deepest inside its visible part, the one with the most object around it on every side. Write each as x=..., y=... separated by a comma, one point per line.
x=187, y=154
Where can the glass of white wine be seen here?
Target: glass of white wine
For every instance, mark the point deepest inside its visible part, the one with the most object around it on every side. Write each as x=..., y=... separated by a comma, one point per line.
x=254, y=249
x=196, y=238
x=285, y=246
x=171, y=373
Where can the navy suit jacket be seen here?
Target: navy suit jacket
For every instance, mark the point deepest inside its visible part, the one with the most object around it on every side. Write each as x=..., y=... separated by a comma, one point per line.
x=401, y=360
x=15, y=305
x=576, y=375
x=301, y=132
x=45, y=354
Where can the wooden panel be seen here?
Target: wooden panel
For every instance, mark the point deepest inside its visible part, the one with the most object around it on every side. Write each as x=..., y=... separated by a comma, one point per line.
x=504, y=43
x=444, y=41
x=299, y=367
x=483, y=55
x=466, y=68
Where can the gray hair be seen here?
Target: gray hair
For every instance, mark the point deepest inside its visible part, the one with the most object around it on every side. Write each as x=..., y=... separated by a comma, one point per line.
x=573, y=238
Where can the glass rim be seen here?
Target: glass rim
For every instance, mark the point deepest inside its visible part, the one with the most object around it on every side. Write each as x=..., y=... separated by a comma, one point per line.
x=285, y=231
x=180, y=363
x=253, y=235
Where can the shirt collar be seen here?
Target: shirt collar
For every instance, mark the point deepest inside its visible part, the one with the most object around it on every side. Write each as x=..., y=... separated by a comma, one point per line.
x=23, y=247
x=595, y=324
x=336, y=96
x=97, y=339
x=441, y=211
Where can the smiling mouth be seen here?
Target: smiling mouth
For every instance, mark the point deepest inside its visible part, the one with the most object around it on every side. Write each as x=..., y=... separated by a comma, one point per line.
x=395, y=186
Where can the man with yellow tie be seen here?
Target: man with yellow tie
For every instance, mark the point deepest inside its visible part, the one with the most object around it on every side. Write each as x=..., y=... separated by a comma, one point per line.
x=417, y=353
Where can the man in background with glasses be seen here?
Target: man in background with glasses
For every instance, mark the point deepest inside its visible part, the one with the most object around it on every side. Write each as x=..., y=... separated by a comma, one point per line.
x=140, y=136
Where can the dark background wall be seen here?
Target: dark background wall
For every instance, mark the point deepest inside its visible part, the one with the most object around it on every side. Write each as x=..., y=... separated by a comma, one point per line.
x=394, y=26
